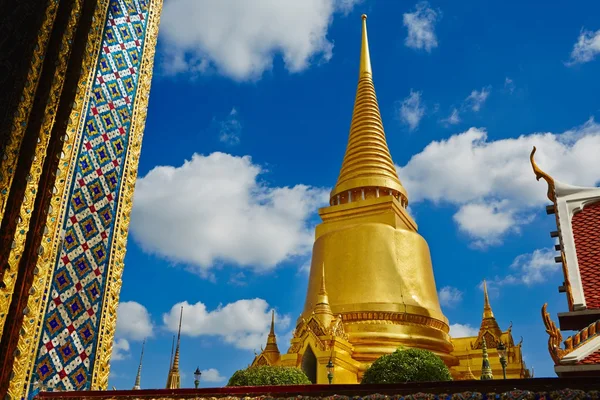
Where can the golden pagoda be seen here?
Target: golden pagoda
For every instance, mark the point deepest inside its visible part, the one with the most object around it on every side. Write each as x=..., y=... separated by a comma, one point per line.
x=371, y=287
x=469, y=348
x=174, y=378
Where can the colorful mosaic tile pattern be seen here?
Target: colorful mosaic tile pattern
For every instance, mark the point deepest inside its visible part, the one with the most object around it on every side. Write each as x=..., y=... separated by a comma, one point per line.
x=65, y=357
x=586, y=230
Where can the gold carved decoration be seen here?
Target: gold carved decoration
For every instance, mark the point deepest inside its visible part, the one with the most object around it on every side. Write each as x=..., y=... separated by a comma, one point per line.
x=11, y=152
x=32, y=324
x=582, y=336
x=316, y=327
x=394, y=318
x=555, y=337
x=35, y=171
x=108, y=319
x=337, y=329
x=539, y=174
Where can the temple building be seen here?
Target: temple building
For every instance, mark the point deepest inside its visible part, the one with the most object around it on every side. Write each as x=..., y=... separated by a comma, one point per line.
x=73, y=98
x=577, y=214
x=371, y=287
x=469, y=350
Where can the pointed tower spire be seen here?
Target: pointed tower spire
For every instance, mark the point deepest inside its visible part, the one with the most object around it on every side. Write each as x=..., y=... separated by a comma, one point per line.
x=367, y=170
x=271, y=351
x=488, y=323
x=138, y=377
x=486, y=370
x=322, y=309
x=487, y=308
x=174, y=379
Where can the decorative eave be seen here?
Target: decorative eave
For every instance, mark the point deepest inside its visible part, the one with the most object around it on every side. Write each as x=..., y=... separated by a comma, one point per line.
x=583, y=348
x=567, y=201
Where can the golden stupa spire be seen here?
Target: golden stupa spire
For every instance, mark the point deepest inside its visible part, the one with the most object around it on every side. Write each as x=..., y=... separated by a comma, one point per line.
x=174, y=379
x=271, y=351
x=367, y=170
x=138, y=377
x=488, y=322
x=322, y=309
x=487, y=308
x=486, y=370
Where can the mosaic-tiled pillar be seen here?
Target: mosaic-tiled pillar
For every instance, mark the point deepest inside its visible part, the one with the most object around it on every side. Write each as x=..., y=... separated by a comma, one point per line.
x=67, y=333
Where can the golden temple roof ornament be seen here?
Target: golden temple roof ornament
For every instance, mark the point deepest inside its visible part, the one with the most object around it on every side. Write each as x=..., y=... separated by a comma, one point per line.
x=487, y=308
x=174, y=379
x=322, y=309
x=486, y=370
x=367, y=170
x=554, y=337
x=539, y=174
x=138, y=377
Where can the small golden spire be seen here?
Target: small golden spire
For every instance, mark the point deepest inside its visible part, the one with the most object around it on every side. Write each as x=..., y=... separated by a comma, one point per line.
x=539, y=174
x=322, y=309
x=365, y=58
x=487, y=308
x=138, y=377
x=271, y=351
x=174, y=379
x=367, y=169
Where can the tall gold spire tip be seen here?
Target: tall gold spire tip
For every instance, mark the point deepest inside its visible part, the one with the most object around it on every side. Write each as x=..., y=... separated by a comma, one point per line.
x=365, y=58
x=487, y=308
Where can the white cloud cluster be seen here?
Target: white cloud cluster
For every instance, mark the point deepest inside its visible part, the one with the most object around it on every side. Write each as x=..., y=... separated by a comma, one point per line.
x=240, y=39
x=120, y=350
x=453, y=118
x=586, y=48
x=529, y=269
x=460, y=330
x=230, y=128
x=411, y=110
x=421, y=27
x=133, y=324
x=509, y=85
x=491, y=182
x=212, y=375
x=450, y=296
x=244, y=323
x=477, y=98
x=215, y=209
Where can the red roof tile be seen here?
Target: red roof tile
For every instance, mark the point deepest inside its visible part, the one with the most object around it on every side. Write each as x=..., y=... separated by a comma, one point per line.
x=593, y=358
x=586, y=231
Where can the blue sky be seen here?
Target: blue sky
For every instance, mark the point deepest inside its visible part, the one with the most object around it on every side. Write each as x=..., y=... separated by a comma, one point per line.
x=247, y=126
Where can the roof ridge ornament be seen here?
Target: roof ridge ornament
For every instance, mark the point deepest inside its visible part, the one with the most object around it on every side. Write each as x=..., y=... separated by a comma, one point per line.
x=539, y=174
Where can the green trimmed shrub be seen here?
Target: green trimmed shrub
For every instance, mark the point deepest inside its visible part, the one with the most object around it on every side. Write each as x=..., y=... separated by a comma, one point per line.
x=407, y=365
x=266, y=375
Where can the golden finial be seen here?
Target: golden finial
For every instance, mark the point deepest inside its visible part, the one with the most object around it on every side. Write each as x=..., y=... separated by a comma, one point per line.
x=174, y=379
x=487, y=308
x=365, y=58
x=272, y=331
x=322, y=309
x=539, y=174
x=138, y=377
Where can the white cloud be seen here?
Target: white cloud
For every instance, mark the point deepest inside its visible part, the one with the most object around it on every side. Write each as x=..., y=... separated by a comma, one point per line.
x=529, y=269
x=215, y=209
x=460, y=330
x=491, y=182
x=133, y=321
x=240, y=39
x=487, y=222
x=477, y=98
x=453, y=118
x=244, y=323
x=509, y=85
x=211, y=375
x=120, y=350
x=421, y=27
x=586, y=48
x=450, y=296
x=411, y=110
x=230, y=128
